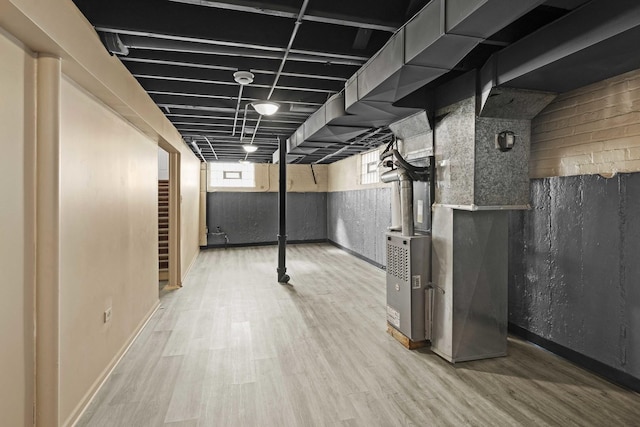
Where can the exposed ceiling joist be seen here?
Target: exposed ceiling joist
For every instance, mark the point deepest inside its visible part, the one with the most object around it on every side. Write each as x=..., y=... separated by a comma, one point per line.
x=228, y=126
x=230, y=118
x=259, y=8
x=228, y=83
x=230, y=69
x=231, y=111
x=184, y=53
x=313, y=105
x=227, y=131
x=230, y=44
x=602, y=34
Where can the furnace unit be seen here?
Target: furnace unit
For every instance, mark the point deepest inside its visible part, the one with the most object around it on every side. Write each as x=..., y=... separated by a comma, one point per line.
x=408, y=252
x=408, y=291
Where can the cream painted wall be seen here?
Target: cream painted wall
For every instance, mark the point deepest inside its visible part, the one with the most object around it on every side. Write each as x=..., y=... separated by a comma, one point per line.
x=108, y=241
x=108, y=252
x=344, y=175
x=299, y=179
x=591, y=130
x=17, y=140
x=189, y=209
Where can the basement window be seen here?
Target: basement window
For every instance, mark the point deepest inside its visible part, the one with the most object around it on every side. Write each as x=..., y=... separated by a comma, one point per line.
x=369, y=167
x=231, y=175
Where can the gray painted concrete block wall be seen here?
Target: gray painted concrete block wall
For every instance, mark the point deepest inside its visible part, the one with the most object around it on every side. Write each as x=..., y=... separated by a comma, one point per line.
x=358, y=219
x=250, y=218
x=354, y=219
x=574, y=270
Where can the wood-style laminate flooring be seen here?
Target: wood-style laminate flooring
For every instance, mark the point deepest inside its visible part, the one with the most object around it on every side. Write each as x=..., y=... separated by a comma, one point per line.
x=235, y=348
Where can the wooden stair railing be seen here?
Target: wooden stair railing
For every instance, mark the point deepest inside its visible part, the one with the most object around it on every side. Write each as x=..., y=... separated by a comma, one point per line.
x=163, y=229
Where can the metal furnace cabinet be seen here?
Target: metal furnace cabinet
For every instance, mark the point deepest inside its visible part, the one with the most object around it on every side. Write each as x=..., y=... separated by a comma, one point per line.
x=408, y=265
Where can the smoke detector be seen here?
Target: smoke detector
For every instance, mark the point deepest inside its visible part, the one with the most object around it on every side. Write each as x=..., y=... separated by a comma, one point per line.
x=243, y=77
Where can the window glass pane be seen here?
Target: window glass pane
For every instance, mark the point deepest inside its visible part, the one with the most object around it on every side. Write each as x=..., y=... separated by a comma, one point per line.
x=372, y=167
x=231, y=174
x=369, y=167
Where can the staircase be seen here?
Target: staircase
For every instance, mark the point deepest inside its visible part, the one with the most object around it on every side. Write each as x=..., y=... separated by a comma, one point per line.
x=163, y=229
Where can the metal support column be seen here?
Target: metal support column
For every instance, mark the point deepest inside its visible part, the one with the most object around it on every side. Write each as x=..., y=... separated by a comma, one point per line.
x=282, y=212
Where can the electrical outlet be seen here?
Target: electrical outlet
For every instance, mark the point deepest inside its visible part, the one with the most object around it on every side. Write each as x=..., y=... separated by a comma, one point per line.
x=107, y=315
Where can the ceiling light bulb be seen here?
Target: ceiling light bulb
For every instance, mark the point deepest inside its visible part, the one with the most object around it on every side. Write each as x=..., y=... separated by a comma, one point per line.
x=265, y=108
x=250, y=148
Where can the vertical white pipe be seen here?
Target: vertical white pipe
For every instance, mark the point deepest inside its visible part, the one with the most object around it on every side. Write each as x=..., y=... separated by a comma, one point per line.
x=406, y=198
x=396, y=218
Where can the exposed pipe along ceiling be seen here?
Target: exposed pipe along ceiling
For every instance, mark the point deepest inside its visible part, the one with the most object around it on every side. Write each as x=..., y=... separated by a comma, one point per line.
x=350, y=76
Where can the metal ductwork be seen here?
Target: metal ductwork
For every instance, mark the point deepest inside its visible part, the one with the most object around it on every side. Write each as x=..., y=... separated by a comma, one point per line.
x=590, y=44
x=430, y=45
x=327, y=126
x=516, y=104
x=416, y=135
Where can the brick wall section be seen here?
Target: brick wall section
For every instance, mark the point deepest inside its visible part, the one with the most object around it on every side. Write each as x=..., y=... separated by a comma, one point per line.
x=591, y=130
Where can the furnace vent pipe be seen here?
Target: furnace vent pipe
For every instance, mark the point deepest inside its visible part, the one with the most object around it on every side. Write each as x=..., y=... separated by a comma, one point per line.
x=406, y=202
x=406, y=197
x=405, y=173
x=416, y=173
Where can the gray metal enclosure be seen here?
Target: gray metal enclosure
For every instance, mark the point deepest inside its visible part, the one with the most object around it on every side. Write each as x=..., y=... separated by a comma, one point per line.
x=408, y=265
x=470, y=251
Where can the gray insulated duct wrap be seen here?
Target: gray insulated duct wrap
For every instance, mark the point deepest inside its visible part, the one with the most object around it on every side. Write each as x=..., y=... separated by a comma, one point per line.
x=430, y=45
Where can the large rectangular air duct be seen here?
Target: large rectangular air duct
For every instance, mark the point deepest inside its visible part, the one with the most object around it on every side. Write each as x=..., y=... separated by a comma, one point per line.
x=430, y=45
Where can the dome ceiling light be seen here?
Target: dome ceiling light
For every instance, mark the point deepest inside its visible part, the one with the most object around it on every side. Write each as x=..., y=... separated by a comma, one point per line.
x=265, y=108
x=250, y=148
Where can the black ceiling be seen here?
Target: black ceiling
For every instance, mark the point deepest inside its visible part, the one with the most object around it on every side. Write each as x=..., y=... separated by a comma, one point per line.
x=184, y=53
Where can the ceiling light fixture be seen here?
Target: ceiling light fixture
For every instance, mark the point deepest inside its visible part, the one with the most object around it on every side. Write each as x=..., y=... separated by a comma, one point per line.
x=243, y=77
x=265, y=108
x=250, y=148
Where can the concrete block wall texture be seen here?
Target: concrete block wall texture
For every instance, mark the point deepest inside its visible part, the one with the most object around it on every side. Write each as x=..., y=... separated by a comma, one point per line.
x=344, y=175
x=250, y=215
x=357, y=214
x=250, y=218
x=573, y=267
x=591, y=130
x=336, y=207
x=357, y=220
